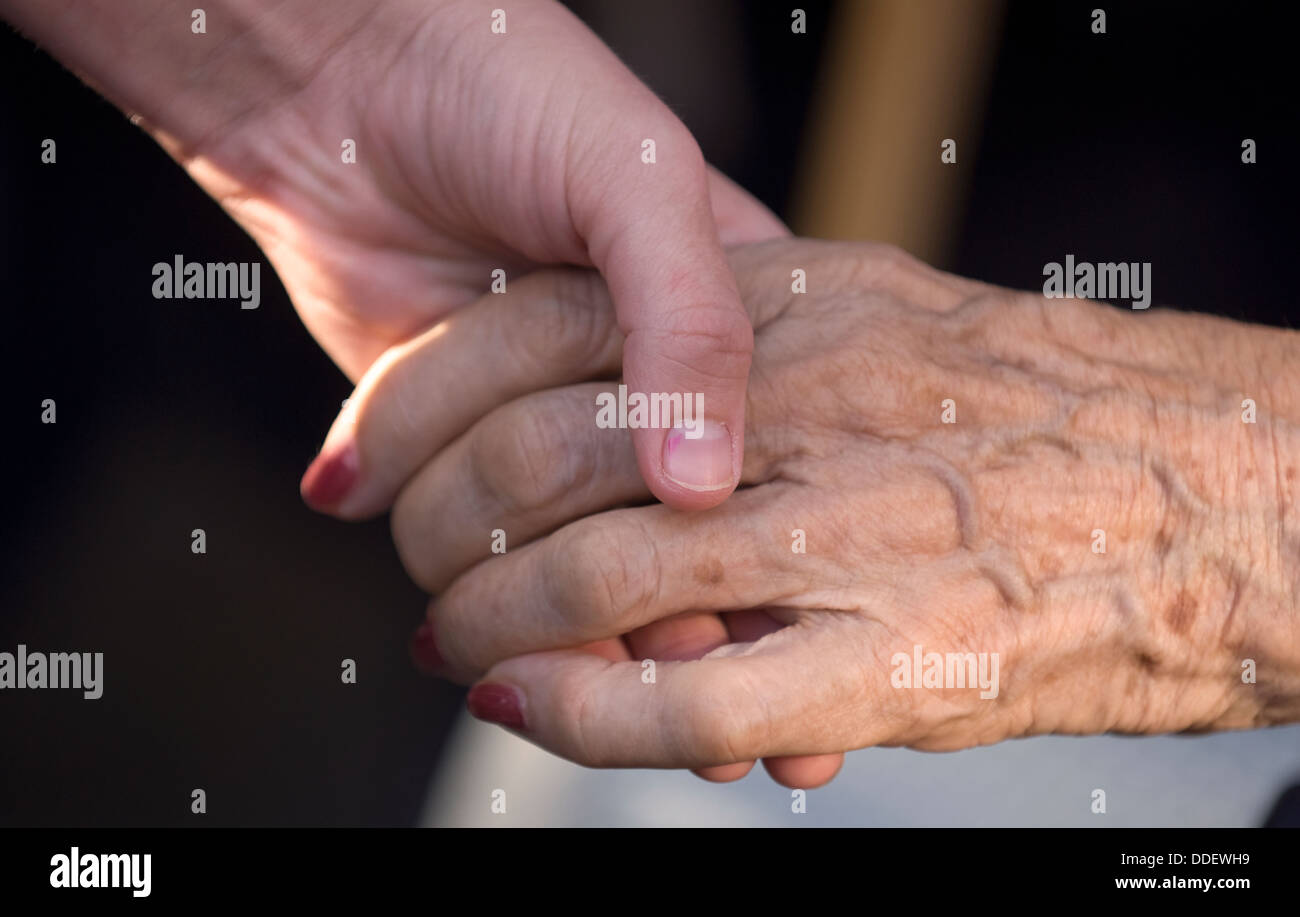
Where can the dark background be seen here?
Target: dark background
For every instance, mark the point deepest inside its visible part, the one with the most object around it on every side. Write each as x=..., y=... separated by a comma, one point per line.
x=222, y=670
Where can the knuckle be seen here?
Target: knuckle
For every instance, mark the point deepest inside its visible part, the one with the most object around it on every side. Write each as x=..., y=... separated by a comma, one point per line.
x=884, y=267
x=712, y=329
x=385, y=394
x=710, y=342
x=707, y=736
x=597, y=579
x=406, y=525
x=522, y=459
x=720, y=727
x=559, y=323
x=574, y=707
x=998, y=325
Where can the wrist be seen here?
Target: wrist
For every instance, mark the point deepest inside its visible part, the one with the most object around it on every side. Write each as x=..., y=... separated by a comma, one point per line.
x=1270, y=450
x=186, y=86
x=1200, y=576
x=1236, y=556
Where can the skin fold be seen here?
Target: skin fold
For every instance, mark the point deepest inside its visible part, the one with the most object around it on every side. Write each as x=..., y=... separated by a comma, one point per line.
x=976, y=536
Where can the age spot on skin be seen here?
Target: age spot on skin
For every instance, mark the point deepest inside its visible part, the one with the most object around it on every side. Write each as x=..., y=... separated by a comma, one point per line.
x=1164, y=541
x=1179, y=614
x=710, y=573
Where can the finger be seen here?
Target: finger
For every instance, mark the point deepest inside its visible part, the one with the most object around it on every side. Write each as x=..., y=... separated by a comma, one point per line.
x=523, y=471
x=692, y=636
x=740, y=217
x=799, y=692
x=423, y=650
x=550, y=328
x=527, y=468
x=748, y=626
x=688, y=636
x=611, y=650
x=649, y=229
x=684, y=637
x=611, y=573
x=725, y=773
x=804, y=772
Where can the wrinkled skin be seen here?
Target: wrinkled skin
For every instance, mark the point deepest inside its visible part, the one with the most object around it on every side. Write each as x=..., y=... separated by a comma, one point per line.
x=973, y=536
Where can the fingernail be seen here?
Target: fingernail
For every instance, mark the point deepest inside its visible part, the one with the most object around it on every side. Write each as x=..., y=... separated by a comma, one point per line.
x=424, y=650
x=331, y=475
x=500, y=704
x=703, y=463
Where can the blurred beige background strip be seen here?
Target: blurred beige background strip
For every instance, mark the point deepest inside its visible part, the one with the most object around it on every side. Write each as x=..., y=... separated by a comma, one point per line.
x=900, y=76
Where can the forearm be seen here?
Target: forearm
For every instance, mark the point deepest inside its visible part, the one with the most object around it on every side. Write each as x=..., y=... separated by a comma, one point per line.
x=144, y=56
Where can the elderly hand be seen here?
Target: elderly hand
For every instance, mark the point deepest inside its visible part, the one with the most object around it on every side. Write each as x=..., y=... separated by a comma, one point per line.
x=1067, y=492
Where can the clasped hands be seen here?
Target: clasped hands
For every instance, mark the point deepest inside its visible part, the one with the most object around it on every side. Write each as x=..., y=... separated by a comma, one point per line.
x=960, y=514
x=932, y=466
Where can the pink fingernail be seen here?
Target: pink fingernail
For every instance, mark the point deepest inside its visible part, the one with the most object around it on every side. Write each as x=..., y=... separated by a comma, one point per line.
x=329, y=478
x=500, y=704
x=704, y=463
x=424, y=650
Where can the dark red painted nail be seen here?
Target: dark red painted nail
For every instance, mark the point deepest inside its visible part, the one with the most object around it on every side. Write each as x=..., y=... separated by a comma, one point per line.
x=331, y=476
x=498, y=704
x=424, y=650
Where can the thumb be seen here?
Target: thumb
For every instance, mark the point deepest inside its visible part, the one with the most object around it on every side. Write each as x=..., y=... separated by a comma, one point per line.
x=649, y=227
